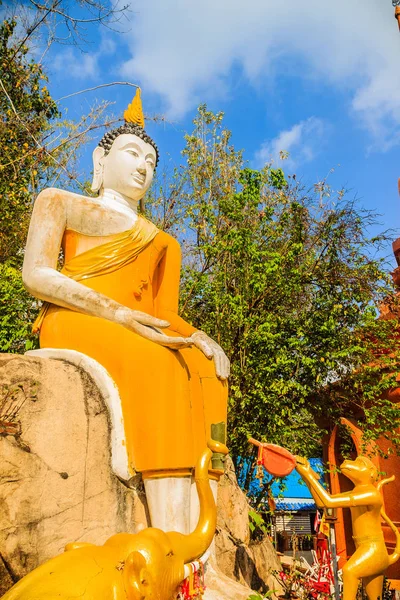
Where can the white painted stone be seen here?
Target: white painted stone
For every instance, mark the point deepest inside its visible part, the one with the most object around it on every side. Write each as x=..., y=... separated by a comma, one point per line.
x=109, y=391
x=168, y=499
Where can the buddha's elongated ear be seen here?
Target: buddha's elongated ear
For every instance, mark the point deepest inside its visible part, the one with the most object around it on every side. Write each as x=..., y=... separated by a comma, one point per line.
x=98, y=166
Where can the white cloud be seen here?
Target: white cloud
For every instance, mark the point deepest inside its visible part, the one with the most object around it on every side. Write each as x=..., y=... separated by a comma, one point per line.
x=75, y=64
x=184, y=50
x=82, y=65
x=301, y=142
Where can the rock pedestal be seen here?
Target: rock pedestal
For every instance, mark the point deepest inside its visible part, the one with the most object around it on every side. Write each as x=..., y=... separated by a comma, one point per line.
x=56, y=480
x=249, y=563
x=57, y=485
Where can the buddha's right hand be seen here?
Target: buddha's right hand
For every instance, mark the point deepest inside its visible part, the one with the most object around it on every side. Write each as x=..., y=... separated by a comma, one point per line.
x=147, y=326
x=125, y=316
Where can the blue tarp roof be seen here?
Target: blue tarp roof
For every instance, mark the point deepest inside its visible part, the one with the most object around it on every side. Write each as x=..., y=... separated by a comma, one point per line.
x=295, y=506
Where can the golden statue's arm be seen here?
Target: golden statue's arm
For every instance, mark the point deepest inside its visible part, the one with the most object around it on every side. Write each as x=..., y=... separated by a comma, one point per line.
x=325, y=500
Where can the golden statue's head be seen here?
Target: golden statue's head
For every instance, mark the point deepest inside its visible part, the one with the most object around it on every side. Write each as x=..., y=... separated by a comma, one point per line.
x=359, y=471
x=152, y=570
x=126, y=157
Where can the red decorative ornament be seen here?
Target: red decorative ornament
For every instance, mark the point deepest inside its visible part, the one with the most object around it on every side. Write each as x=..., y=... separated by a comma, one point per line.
x=276, y=460
x=193, y=587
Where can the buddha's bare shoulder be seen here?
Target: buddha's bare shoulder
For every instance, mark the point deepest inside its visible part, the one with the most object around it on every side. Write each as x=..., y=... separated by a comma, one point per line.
x=58, y=195
x=83, y=214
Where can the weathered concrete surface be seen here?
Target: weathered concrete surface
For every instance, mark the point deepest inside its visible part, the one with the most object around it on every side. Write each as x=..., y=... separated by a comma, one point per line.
x=56, y=483
x=221, y=587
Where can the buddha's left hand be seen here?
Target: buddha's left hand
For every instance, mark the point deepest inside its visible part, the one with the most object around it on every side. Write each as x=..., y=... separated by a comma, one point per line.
x=213, y=351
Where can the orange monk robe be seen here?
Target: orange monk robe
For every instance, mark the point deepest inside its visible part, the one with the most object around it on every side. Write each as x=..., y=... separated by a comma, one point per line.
x=169, y=398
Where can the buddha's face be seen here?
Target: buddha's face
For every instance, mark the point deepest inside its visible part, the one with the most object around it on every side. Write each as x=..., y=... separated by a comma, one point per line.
x=128, y=168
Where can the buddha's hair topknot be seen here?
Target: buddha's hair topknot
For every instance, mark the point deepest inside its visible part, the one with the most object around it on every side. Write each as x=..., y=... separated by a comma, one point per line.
x=107, y=140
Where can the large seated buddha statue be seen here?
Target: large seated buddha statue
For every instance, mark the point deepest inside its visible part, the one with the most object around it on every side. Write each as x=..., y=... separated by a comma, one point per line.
x=116, y=301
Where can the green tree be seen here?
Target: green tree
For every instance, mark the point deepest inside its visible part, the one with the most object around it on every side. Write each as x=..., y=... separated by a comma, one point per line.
x=17, y=311
x=285, y=281
x=39, y=148
x=26, y=110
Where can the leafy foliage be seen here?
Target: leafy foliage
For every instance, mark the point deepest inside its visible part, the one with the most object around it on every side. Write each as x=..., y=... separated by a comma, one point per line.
x=17, y=312
x=38, y=149
x=258, y=527
x=285, y=280
x=26, y=109
x=257, y=596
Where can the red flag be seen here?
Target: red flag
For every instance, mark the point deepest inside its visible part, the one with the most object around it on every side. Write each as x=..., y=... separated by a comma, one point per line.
x=317, y=522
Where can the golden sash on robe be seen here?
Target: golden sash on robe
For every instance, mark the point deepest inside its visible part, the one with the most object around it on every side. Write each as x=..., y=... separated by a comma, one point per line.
x=106, y=258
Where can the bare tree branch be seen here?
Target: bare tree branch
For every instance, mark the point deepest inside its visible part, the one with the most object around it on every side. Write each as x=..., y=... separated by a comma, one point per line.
x=75, y=20
x=30, y=31
x=38, y=144
x=54, y=14
x=103, y=13
x=96, y=87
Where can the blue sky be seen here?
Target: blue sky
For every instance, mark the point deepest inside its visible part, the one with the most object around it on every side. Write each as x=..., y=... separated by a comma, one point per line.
x=320, y=80
x=291, y=486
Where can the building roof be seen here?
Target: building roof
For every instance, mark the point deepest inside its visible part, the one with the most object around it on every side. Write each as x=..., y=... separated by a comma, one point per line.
x=284, y=506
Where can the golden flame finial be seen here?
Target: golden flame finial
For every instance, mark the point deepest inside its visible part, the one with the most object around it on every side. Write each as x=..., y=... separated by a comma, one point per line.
x=134, y=112
x=397, y=14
